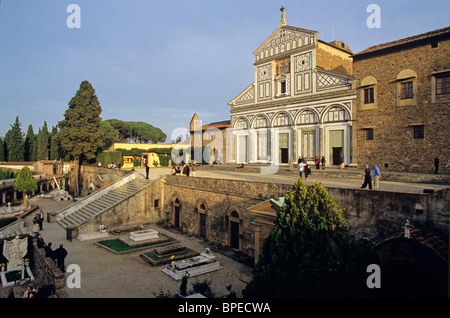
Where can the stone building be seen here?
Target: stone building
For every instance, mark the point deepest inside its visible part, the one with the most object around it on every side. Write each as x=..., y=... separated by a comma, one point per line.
x=403, y=103
x=300, y=104
x=213, y=136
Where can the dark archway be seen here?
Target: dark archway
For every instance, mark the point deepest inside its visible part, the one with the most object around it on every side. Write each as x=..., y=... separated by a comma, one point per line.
x=411, y=269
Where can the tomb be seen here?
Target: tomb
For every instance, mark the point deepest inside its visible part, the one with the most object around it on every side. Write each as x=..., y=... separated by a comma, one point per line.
x=102, y=233
x=197, y=265
x=165, y=254
x=17, y=268
x=144, y=235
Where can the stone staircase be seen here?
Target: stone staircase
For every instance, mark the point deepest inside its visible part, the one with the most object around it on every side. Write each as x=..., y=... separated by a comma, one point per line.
x=14, y=229
x=100, y=202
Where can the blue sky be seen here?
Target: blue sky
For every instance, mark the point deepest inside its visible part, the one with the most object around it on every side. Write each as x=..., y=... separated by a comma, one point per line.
x=162, y=61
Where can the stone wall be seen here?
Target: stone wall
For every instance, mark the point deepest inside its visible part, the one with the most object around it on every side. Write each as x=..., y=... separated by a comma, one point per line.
x=371, y=214
x=392, y=120
x=90, y=176
x=217, y=203
x=137, y=210
x=47, y=269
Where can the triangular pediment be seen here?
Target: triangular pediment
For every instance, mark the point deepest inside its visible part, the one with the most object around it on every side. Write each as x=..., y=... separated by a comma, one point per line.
x=287, y=34
x=246, y=97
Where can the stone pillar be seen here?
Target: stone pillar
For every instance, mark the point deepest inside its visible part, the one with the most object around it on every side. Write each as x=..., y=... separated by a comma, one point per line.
x=321, y=141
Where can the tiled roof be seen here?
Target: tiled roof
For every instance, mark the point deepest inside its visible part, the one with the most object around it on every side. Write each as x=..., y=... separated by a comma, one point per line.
x=218, y=124
x=411, y=39
x=431, y=239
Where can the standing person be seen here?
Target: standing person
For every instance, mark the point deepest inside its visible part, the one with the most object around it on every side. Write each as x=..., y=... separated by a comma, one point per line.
x=301, y=167
x=323, y=161
x=317, y=161
x=437, y=160
x=36, y=224
x=49, y=251
x=186, y=170
x=194, y=168
x=41, y=220
x=377, y=176
x=307, y=171
x=367, y=178
x=60, y=254
x=147, y=169
x=291, y=163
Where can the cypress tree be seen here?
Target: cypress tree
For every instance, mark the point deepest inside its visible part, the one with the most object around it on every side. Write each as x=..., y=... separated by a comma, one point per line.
x=16, y=142
x=54, y=154
x=42, y=143
x=80, y=135
x=30, y=141
x=2, y=150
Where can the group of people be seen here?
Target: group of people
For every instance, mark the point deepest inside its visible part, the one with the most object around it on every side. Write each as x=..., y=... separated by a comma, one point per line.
x=368, y=177
x=38, y=222
x=39, y=292
x=303, y=166
x=58, y=255
x=188, y=169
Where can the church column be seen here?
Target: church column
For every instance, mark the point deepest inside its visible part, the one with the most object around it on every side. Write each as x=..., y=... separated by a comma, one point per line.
x=321, y=141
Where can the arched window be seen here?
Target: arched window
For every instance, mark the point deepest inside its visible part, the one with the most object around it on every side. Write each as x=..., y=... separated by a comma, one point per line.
x=282, y=120
x=261, y=122
x=336, y=114
x=241, y=123
x=406, y=88
x=307, y=117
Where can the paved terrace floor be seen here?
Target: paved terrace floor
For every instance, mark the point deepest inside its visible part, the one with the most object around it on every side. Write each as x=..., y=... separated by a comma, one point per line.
x=105, y=274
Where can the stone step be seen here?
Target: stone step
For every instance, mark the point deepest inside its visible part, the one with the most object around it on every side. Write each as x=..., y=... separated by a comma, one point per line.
x=104, y=203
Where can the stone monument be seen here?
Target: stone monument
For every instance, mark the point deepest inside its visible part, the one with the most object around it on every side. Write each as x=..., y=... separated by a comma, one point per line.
x=15, y=251
x=204, y=263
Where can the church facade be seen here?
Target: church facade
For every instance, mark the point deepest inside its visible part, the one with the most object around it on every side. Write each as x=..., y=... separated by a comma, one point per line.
x=301, y=103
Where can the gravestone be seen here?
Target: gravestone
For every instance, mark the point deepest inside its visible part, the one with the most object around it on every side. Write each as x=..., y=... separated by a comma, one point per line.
x=15, y=251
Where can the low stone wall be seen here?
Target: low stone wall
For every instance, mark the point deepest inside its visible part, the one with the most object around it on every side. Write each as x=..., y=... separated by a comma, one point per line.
x=137, y=210
x=47, y=269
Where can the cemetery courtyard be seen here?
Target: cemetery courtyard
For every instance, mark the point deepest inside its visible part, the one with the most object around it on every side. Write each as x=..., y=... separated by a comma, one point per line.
x=126, y=274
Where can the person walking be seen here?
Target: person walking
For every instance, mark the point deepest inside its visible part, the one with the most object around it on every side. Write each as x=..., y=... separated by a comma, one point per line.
x=147, y=169
x=60, y=254
x=367, y=178
x=301, y=167
x=437, y=160
x=323, y=161
x=377, y=177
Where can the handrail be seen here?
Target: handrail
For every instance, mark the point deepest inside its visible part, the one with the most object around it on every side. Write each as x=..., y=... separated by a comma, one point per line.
x=85, y=201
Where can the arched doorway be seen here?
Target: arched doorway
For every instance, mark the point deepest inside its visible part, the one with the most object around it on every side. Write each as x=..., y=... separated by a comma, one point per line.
x=234, y=230
x=202, y=220
x=176, y=207
x=411, y=268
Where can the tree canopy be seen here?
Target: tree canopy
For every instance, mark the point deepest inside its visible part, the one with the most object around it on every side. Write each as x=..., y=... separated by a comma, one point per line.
x=80, y=135
x=25, y=182
x=309, y=252
x=134, y=131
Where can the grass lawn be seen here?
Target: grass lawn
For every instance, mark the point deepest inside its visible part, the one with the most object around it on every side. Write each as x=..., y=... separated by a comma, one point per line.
x=118, y=245
x=158, y=260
